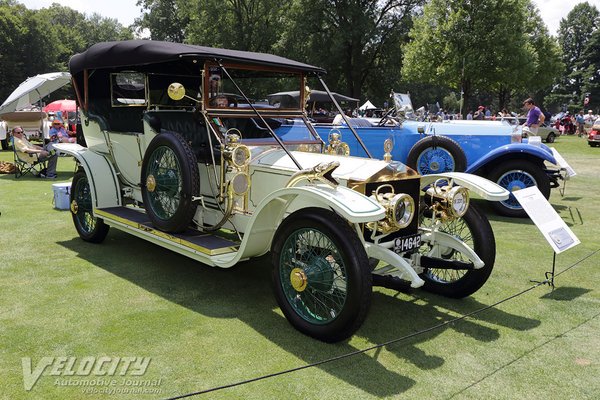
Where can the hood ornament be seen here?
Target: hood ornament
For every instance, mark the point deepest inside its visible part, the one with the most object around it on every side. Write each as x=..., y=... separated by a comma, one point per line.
x=321, y=172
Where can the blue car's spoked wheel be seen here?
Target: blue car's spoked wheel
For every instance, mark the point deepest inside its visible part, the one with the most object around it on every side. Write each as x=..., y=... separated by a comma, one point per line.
x=436, y=154
x=515, y=175
x=90, y=228
x=434, y=161
x=513, y=181
x=321, y=274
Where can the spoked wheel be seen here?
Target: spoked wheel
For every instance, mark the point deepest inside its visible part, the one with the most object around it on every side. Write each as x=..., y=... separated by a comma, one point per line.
x=516, y=175
x=89, y=227
x=321, y=274
x=474, y=229
x=170, y=182
x=436, y=154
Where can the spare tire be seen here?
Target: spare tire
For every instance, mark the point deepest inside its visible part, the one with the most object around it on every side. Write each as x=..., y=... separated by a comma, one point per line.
x=436, y=154
x=170, y=181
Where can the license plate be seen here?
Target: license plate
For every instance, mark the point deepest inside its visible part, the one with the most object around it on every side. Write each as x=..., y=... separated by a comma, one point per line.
x=407, y=243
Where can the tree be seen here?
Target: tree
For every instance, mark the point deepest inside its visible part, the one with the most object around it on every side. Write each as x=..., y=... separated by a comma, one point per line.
x=357, y=41
x=590, y=66
x=164, y=19
x=470, y=45
x=573, y=35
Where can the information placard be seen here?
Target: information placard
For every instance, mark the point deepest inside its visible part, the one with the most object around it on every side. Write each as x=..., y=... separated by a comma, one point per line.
x=547, y=220
x=563, y=163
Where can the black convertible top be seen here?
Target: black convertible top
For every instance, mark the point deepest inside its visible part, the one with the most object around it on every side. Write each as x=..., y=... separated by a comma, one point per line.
x=143, y=52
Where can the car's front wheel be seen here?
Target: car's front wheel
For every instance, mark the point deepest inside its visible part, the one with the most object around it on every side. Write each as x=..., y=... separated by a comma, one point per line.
x=89, y=227
x=514, y=175
x=321, y=275
x=551, y=138
x=473, y=229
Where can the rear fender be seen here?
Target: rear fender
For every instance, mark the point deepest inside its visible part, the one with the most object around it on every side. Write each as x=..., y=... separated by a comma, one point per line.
x=513, y=150
x=102, y=177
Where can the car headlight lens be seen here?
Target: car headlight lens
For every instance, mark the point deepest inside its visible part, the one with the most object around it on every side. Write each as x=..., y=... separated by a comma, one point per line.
x=458, y=200
x=240, y=156
x=402, y=210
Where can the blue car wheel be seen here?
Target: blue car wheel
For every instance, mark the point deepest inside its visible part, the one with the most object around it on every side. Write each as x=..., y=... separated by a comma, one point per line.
x=516, y=175
x=436, y=154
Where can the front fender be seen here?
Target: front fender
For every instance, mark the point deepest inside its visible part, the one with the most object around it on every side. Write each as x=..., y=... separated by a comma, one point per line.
x=101, y=175
x=520, y=149
x=483, y=187
x=270, y=212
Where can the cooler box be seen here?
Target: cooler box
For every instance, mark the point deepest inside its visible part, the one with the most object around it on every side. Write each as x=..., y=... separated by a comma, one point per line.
x=61, y=195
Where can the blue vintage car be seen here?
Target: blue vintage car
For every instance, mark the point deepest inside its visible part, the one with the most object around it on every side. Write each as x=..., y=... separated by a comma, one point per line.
x=492, y=149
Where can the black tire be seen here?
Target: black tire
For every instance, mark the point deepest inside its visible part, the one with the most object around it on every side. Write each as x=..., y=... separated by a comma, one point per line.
x=551, y=138
x=514, y=175
x=475, y=230
x=4, y=144
x=90, y=228
x=330, y=262
x=436, y=154
x=172, y=167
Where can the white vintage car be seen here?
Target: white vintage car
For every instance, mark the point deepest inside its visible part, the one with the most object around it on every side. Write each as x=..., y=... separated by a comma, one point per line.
x=176, y=157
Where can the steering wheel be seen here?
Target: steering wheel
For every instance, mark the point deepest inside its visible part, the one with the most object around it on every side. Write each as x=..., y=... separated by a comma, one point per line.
x=386, y=117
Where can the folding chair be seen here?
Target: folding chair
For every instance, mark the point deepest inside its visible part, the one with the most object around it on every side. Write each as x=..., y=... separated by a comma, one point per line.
x=27, y=163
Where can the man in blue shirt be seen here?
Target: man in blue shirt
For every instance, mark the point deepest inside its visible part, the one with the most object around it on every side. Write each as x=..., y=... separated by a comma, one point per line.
x=535, y=117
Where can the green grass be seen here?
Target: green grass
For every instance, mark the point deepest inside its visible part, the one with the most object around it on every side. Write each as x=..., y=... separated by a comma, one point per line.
x=205, y=327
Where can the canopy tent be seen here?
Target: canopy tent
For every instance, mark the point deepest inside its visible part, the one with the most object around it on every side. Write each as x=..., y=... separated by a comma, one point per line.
x=33, y=89
x=367, y=106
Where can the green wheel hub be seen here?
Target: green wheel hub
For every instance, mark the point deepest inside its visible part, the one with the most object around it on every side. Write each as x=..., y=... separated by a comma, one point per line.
x=313, y=276
x=164, y=182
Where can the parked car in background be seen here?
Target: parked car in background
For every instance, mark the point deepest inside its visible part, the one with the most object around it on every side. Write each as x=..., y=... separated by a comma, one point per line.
x=491, y=149
x=593, y=136
x=546, y=131
x=174, y=161
x=35, y=125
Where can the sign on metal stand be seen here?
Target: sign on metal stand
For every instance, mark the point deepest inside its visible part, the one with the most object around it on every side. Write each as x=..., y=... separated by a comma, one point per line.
x=550, y=224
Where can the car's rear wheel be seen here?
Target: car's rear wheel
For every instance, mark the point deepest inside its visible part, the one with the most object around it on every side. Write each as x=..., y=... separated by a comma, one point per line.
x=170, y=182
x=321, y=275
x=90, y=228
x=474, y=229
x=514, y=175
x=436, y=154
x=551, y=138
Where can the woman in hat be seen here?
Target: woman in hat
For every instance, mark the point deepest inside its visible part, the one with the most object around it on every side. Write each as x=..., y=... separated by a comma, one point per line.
x=58, y=133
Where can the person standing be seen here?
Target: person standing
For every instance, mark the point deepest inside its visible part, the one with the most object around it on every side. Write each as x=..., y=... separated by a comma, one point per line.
x=580, y=121
x=480, y=113
x=535, y=117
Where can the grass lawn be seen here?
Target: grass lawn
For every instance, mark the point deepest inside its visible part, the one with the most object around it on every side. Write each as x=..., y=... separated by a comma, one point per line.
x=203, y=327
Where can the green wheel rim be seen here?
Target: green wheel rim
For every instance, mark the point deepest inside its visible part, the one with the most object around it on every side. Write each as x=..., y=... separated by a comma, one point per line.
x=83, y=197
x=166, y=196
x=324, y=295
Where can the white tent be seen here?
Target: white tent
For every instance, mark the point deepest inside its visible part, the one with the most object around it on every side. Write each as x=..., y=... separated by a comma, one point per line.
x=367, y=106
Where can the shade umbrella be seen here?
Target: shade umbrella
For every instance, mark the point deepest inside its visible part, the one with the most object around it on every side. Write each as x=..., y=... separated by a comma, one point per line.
x=33, y=89
x=61, y=105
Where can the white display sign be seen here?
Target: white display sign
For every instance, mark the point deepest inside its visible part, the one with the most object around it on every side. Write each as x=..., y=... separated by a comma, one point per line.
x=563, y=163
x=547, y=220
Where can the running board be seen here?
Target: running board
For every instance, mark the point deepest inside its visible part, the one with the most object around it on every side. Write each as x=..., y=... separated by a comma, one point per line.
x=206, y=243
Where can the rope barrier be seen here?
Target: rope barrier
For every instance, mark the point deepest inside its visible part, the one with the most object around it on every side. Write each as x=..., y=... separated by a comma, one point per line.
x=384, y=344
